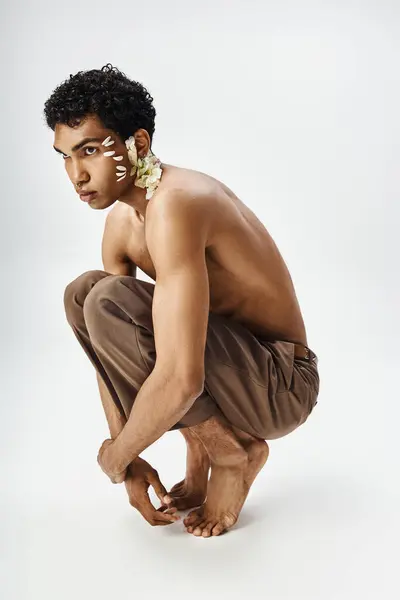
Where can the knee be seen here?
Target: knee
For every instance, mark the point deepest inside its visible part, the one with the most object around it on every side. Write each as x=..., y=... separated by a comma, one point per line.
x=105, y=290
x=120, y=296
x=77, y=291
x=116, y=288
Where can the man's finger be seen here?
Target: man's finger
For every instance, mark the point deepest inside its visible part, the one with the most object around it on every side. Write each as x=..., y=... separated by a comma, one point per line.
x=159, y=489
x=165, y=508
x=161, y=523
x=159, y=518
x=169, y=510
x=149, y=512
x=165, y=518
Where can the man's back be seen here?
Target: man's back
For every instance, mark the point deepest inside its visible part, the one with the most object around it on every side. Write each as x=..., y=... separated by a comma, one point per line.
x=248, y=278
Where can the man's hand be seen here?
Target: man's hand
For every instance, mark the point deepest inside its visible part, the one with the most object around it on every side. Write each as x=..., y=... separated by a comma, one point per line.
x=102, y=460
x=140, y=475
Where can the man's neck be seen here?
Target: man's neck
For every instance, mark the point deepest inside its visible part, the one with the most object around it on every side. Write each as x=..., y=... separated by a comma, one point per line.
x=135, y=196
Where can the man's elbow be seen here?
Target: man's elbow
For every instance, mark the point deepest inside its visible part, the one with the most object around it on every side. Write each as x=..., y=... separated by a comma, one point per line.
x=193, y=385
x=190, y=384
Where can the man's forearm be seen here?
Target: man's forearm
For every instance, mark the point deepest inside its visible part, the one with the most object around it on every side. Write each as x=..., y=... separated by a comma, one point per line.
x=160, y=403
x=115, y=420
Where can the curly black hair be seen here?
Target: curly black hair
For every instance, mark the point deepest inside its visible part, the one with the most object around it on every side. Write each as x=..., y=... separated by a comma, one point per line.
x=121, y=104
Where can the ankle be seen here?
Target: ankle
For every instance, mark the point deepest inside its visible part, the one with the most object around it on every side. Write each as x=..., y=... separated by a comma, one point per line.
x=237, y=459
x=198, y=462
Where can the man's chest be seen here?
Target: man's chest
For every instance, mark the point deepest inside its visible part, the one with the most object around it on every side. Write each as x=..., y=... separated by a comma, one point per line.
x=226, y=291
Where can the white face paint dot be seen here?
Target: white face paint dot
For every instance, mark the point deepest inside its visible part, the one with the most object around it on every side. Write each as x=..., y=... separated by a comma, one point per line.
x=105, y=142
x=121, y=168
x=118, y=157
x=109, y=153
x=121, y=178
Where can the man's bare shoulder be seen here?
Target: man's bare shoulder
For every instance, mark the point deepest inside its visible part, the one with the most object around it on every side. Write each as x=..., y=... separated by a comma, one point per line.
x=190, y=180
x=117, y=212
x=193, y=194
x=119, y=220
x=185, y=208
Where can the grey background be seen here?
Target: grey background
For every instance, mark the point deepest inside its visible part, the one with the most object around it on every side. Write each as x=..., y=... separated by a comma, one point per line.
x=295, y=106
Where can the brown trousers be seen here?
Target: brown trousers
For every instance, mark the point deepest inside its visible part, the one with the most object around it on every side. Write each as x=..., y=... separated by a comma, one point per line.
x=258, y=385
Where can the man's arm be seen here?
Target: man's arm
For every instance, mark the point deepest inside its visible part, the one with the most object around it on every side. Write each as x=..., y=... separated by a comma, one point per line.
x=140, y=475
x=177, y=231
x=115, y=420
x=114, y=262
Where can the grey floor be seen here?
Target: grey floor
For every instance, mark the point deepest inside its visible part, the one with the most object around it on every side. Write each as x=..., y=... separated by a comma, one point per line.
x=321, y=520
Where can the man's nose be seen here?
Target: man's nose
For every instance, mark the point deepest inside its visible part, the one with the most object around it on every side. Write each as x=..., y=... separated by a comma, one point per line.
x=78, y=176
x=79, y=183
x=80, y=180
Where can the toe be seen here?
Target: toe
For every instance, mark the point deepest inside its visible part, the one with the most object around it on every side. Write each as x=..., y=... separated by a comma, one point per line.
x=193, y=516
x=179, y=491
x=195, y=526
x=207, y=529
x=177, y=487
x=198, y=529
x=218, y=529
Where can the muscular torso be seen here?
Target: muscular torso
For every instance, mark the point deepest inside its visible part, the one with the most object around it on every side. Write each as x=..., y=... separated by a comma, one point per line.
x=248, y=278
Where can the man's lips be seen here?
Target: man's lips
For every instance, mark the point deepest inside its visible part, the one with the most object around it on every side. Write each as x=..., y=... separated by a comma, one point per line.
x=87, y=196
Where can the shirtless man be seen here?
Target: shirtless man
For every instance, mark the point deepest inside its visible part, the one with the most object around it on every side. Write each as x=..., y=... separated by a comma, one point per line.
x=216, y=348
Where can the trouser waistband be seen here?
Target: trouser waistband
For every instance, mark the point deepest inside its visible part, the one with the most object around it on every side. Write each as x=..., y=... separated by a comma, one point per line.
x=304, y=353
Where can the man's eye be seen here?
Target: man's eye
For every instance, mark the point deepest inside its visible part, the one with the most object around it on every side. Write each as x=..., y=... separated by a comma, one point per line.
x=87, y=148
x=90, y=148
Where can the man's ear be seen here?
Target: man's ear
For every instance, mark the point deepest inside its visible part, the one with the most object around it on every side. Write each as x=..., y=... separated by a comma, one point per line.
x=142, y=142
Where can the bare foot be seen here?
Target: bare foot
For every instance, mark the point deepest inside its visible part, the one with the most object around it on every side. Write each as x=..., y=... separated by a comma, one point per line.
x=192, y=490
x=227, y=491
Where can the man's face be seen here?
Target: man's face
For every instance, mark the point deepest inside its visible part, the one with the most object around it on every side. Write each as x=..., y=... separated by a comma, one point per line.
x=102, y=166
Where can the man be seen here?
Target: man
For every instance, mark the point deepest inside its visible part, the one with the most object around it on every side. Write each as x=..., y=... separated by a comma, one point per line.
x=216, y=348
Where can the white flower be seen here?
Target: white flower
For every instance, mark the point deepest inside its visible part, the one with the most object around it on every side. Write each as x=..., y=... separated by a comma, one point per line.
x=132, y=153
x=148, y=170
